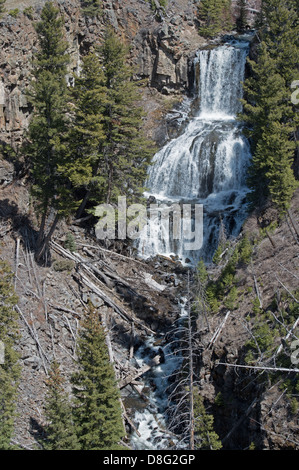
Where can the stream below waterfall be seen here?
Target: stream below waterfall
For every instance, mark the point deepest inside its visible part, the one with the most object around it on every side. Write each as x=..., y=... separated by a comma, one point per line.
x=206, y=165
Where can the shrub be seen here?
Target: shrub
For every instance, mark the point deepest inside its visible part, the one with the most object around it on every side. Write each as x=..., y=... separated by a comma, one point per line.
x=70, y=243
x=29, y=12
x=63, y=265
x=14, y=13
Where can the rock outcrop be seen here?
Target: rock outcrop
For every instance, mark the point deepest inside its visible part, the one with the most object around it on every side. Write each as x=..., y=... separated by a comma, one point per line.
x=161, y=49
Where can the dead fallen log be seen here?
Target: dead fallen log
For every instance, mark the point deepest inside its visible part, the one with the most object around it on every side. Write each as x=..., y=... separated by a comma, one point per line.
x=290, y=333
x=132, y=377
x=132, y=341
x=113, y=253
x=129, y=421
x=218, y=331
x=78, y=259
x=105, y=273
x=64, y=309
x=263, y=368
x=140, y=393
x=294, y=224
x=108, y=301
x=34, y=336
x=240, y=421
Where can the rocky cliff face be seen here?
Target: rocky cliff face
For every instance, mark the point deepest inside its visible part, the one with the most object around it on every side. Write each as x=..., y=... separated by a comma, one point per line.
x=253, y=407
x=162, y=49
x=159, y=51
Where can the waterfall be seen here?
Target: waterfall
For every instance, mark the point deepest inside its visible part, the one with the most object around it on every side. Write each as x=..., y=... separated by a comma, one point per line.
x=207, y=163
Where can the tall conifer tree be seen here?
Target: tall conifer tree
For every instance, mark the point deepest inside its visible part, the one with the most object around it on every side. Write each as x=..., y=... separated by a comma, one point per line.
x=47, y=149
x=86, y=138
x=242, y=18
x=109, y=122
x=9, y=366
x=60, y=431
x=269, y=113
x=96, y=407
x=214, y=16
x=127, y=153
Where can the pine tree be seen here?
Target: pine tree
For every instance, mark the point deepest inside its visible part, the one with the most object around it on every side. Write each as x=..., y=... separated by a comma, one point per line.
x=214, y=16
x=47, y=149
x=206, y=437
x=9, y=369
x=97, y=409
x=60, y=432
x=281, y=35
x=108, y=123
x=242, y=18
x=127, y=153
x=85, y=165
x=269, y=114
x=2, y=9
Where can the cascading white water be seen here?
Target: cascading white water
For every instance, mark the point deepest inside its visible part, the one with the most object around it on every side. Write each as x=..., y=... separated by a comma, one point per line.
x=207, y=164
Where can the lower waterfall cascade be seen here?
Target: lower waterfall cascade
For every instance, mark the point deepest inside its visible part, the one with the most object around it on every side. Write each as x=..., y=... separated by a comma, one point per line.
x=207, y=164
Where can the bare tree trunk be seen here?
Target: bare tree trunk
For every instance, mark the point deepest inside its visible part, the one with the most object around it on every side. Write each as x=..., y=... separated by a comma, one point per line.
x=41, y=232
x=293, y=222
x=42, y=247
x=83, y=204
x=191, y=385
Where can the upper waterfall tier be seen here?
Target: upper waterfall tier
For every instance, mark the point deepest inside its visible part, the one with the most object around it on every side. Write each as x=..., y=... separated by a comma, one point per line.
x=220, y=87
x=212, y=154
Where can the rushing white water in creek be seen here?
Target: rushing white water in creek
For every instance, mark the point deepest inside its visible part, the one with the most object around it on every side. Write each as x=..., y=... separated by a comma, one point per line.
x=206, y=164
x=150, y=421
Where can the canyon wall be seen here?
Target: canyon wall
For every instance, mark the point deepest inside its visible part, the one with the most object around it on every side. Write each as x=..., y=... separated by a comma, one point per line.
x=161, y=50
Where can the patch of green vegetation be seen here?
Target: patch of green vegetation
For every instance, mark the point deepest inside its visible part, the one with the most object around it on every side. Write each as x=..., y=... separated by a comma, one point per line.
x=70, y=243
x=91, y=8
x=294, y=406
x=29, y=12
x=269, y=229
x=225, y=289
x=14, y=13
x=163, y=4
x=219, y=401
x=269, y=331
x=158, y=9
x=63, y=265
x=230, y=301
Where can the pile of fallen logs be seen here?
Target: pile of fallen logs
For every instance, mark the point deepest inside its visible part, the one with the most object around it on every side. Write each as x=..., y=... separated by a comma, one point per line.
x=95, y=279
x=95, y=273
